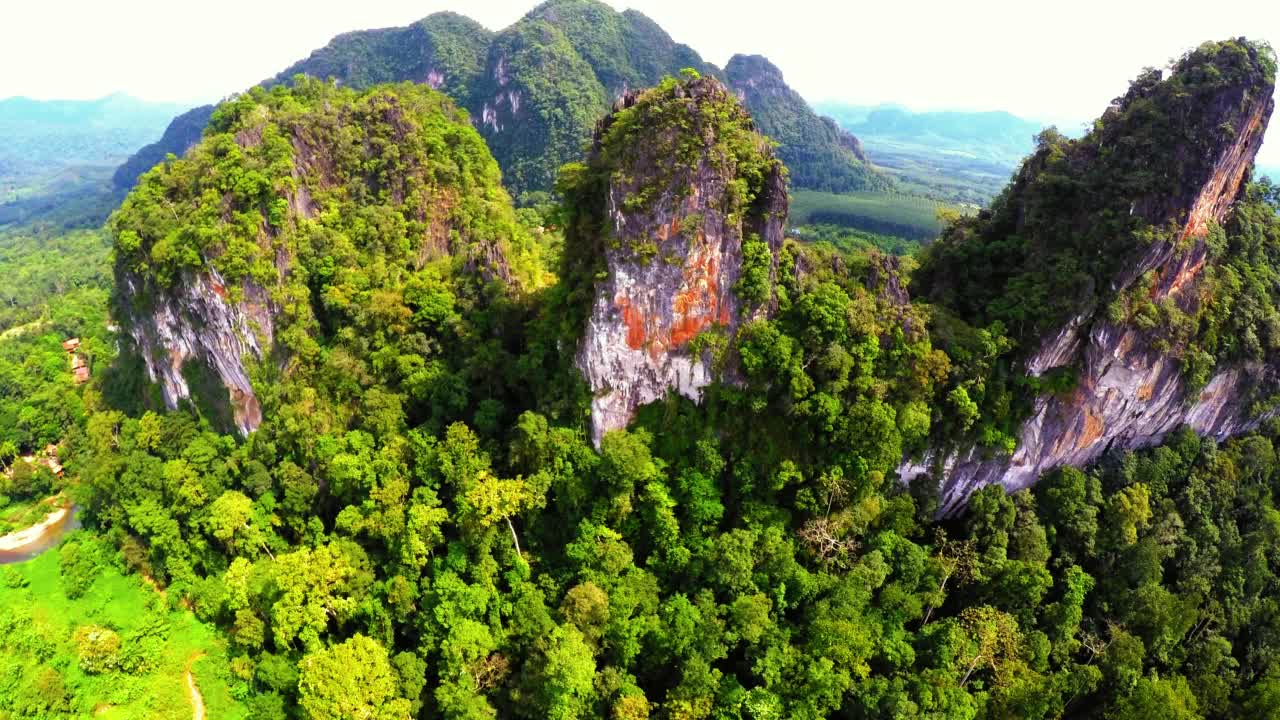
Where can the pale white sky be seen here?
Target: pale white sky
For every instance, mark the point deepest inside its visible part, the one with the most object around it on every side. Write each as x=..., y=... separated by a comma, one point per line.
x=1061, y=62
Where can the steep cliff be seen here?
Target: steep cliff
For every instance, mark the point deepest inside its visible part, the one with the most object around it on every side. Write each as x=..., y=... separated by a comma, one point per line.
x=681, y=198
x=303, y=216
x=1122, y=235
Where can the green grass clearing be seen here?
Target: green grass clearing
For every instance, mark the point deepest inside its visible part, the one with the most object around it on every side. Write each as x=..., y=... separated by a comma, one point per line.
x=21, y=514
x=41, y=672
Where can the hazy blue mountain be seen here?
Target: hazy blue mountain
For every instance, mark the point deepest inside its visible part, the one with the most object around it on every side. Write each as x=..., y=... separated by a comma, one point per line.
x=57, y=156
x=964, y=156
x=182, y=132
x=113, y=111
x=40, y=138
x=995, y=136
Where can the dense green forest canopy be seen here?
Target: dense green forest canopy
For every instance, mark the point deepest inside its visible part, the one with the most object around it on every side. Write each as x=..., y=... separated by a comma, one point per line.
x=422, y=529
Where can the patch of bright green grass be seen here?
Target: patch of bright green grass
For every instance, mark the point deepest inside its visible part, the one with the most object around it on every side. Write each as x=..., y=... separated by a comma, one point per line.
x=40, y=670
x=21, y=514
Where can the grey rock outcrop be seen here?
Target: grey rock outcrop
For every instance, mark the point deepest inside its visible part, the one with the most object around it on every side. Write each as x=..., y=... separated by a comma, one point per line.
x=196, y=322
x=1129, y=394
x=648, y=309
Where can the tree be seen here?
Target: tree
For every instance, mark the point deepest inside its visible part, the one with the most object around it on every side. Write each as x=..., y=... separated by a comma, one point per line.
x=1154, y=697
x=315, y=587
x=994, y=641
x=568, y=673
x=493, y=499
x=229, y=520
x=1127, y=512
x=8, y=451
x=955, y=560
x=586, y=606
x=97, y=648
x=353, y=680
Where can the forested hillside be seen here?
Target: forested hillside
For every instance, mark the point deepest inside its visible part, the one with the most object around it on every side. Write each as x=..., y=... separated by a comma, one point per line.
x=821, y=155
x=379, y=477
x=481, y=379
x=536, y=89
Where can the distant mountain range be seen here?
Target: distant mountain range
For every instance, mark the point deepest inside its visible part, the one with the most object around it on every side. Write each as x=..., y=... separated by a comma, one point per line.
x=118, y=111
x=536, y=90
x=57, y=156
x=43, y=137
x=965, y=156
x=994, y=136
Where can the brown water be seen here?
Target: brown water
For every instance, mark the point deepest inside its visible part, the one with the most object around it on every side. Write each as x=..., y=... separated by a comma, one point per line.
x=47, y=539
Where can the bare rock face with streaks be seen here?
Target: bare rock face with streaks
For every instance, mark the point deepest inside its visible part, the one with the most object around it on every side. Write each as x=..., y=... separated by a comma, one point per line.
x=685, y=182
x=1130, y=392
x=197, y=323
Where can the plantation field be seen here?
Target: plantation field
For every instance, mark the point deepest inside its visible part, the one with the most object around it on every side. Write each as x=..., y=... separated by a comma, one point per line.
x=906, y=216
x=127, y=662
x=852, y=240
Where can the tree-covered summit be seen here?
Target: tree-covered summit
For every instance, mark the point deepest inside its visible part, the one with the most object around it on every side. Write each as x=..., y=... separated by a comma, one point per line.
x=1080, y=212
x=305, y=214
x=536, y=89
x=660, y=147
x=444, y=50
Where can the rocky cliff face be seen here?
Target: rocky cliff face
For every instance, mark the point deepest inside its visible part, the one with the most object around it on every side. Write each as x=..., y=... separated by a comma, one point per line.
x=671, y=263
x=301, y=215
x=196, y=324
x=1129, y=394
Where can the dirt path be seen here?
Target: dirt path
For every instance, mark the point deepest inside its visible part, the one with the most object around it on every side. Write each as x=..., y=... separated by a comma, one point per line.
x=193, y=692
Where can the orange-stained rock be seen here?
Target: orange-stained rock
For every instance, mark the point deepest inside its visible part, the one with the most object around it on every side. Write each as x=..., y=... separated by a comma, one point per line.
x=647, y=311
x=1131, y=391
x=635, y=324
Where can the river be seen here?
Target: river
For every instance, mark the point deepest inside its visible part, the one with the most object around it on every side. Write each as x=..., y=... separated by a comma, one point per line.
x=26, y=544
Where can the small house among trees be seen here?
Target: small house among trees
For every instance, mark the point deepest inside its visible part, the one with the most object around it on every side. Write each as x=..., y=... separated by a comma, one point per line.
x=79, y=363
